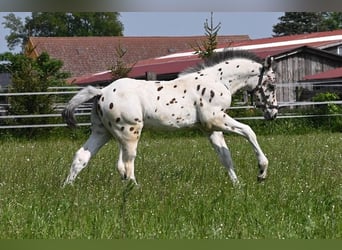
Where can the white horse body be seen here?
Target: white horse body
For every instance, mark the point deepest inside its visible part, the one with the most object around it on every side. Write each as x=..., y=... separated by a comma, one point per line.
x=198, y=98
x=157, y=100
x=173, y=109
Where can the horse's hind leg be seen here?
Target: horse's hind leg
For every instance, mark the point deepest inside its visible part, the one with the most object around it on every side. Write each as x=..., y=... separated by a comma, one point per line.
x=220, y=146
x=96, y=140
x=128, y=152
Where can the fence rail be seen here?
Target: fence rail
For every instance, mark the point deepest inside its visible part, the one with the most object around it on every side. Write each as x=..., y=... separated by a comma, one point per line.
x=85, y=109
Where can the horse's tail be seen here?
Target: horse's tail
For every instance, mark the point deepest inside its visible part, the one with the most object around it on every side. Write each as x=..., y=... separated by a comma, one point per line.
x=81, y=97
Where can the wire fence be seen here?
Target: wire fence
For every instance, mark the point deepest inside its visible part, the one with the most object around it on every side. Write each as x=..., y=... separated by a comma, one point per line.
x=85, y=109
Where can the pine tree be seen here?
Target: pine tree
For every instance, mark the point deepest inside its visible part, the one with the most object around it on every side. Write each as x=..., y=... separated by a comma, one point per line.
x=207, y=47
x=120, y=69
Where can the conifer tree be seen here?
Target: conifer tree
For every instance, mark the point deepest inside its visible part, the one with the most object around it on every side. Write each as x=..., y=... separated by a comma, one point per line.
x=292, y=23
x=206, y=48
x=120, y=69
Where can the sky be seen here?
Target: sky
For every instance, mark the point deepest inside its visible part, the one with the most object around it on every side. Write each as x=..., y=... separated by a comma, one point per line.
x=254, y=24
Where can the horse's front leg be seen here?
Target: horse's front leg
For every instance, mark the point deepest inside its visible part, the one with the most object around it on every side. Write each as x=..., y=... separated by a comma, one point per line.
x=228, y=124
x=220, y=146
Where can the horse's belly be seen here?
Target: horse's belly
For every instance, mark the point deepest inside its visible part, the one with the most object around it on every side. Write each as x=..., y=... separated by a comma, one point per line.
x=173, y=120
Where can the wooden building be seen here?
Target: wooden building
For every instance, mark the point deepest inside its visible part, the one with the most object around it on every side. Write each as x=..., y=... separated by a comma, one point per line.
x=294, y=65
x=327, y=81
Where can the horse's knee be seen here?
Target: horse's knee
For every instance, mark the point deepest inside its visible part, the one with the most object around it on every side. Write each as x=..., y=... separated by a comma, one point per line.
x=249, y=133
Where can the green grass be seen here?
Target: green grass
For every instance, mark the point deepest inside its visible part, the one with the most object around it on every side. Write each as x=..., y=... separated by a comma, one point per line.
x=183, y=190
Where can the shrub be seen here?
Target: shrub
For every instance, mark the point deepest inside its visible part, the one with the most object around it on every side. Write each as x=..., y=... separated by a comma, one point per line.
x=334, y=123
x=32, y=75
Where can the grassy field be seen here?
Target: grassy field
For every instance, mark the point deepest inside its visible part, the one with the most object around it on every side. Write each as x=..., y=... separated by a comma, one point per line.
x=183, y=190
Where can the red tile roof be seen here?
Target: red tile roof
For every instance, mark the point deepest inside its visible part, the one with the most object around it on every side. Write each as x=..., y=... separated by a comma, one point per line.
x=275, y=45
x=86, y=55
x=329, y=74
x=174, y=63
x=164, y=65
x=98, y=78
x=311, y=39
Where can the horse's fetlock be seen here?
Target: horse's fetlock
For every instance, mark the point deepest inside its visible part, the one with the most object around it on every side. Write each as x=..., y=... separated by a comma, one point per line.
x=263, y=163
x=261, y=178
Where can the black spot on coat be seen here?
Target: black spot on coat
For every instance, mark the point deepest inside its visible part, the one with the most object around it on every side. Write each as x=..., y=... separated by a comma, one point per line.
x=203, y=91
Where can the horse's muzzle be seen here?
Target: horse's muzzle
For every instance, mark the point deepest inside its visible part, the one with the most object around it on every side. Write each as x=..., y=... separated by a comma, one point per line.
x=270, y=113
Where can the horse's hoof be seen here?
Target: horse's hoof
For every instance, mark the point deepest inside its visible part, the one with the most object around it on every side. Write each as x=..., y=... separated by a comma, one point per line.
x=261, y=179
x=67, y=182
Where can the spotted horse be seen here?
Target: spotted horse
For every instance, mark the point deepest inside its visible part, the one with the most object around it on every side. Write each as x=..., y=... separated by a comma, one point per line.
x=199, y=97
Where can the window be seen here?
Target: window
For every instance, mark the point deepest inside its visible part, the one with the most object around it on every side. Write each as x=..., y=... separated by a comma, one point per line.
x=339, y=50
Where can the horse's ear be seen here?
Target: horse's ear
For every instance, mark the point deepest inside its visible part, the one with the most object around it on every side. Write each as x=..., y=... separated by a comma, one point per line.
x=269, y=61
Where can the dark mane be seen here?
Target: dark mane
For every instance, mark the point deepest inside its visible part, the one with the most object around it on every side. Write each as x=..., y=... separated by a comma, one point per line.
x=219, y=57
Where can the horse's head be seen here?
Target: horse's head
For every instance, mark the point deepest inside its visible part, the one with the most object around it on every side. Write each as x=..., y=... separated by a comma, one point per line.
x=265, y=92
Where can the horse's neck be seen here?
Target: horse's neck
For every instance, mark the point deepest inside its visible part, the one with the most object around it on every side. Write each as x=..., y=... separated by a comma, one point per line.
x=236, y=80
x=231, y=81
x=231, y=78
x=236, y=85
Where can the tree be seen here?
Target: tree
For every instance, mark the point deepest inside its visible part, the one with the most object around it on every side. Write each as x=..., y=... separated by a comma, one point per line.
x=299, y=23
x=61, y=24
x=307, y=22
x=333, y=20
x=18, y=34
x=32, y=75
x=207, y=47
x=120, y=69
